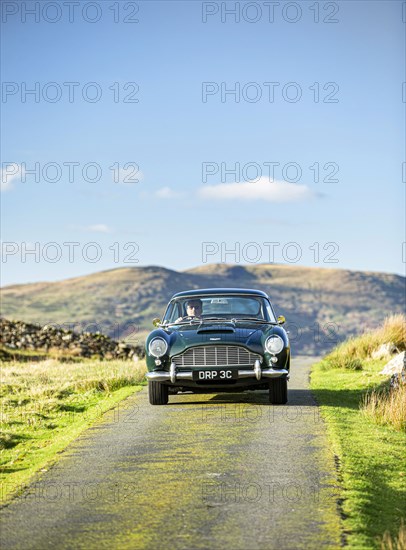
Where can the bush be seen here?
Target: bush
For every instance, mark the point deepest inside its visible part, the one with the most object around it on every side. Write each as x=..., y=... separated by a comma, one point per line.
x=387, y=407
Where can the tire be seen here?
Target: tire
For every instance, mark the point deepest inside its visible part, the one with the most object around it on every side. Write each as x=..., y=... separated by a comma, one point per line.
x=158, y=393
x=278, y=391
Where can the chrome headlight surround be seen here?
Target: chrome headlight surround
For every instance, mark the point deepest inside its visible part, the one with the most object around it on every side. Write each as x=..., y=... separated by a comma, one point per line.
x=274, y=344
x=158, y=347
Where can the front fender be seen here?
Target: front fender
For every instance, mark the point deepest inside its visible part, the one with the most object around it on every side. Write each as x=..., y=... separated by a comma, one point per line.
x=150, y=359
x=284, y=355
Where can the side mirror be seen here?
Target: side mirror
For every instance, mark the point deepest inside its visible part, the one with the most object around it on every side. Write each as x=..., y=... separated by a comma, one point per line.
x=281, y=319
x=156, y=322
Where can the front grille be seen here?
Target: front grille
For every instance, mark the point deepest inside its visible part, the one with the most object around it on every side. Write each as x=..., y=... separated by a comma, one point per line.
x=215, y=356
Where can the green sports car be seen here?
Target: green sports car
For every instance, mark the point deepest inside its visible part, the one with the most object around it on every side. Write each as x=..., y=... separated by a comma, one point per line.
x=215, y=340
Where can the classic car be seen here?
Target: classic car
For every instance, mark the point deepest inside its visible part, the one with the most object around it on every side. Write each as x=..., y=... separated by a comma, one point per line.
x=215, y=340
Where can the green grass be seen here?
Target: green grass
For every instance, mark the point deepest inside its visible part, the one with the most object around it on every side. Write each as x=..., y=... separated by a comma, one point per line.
x=46, y=404
x=370, y=456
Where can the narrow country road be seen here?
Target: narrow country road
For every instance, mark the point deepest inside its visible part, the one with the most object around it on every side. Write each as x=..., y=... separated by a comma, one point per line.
x=220, y=471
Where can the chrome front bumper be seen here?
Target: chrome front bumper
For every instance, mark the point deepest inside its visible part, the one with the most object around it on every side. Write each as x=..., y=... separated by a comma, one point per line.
x=173, y=376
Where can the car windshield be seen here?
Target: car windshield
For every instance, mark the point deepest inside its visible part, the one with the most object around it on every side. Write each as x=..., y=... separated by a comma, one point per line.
x=219, y=307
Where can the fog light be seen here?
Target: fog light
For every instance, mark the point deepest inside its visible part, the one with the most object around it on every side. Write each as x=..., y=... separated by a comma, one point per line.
x=158, y=362
x=273, y=360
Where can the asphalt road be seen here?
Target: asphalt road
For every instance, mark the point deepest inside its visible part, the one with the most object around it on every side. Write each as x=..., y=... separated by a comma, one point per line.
x=225, y=471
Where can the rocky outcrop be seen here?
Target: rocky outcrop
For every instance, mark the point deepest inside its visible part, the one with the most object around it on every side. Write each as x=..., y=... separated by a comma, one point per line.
x=17, y=335
x=395, y=365
x=385, y=351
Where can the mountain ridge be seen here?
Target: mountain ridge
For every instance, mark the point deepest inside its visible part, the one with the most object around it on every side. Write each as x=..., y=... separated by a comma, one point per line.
x=324, y=305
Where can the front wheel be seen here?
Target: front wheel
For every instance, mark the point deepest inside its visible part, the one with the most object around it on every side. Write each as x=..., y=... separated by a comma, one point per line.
x=158, y=393
x=278, y=391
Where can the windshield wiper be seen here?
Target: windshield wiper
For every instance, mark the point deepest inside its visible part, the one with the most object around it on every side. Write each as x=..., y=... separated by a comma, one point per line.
x=198, y=320
x=188, y=322
x=254, y=320
x=220, y=319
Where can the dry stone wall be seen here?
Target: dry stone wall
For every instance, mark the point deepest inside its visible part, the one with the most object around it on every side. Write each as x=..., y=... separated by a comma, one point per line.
x=17, y=335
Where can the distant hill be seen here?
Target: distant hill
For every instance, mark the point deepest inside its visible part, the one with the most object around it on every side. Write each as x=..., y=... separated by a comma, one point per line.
x=322, y=306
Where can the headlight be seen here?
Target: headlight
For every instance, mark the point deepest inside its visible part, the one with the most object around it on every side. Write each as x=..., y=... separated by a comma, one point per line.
x=158, y=347
x=274, y=344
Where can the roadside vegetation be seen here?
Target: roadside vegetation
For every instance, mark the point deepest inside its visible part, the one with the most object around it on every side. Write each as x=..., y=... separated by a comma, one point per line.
x=45, y=404
x=366, y=422
x=387, y=407
x=351, y=353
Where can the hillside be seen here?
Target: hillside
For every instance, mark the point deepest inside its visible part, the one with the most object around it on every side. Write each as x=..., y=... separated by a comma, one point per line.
x=322, y=306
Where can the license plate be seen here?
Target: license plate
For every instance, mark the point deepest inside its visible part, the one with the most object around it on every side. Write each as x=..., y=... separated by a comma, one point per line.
x=218, y=375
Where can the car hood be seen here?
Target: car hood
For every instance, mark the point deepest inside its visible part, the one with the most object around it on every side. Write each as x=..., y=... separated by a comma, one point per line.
x=188, y=336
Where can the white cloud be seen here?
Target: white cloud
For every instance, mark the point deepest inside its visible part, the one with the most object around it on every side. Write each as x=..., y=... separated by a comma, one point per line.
x=167, y=193
x=8, y=173
x=263, y=189
x=98, y=228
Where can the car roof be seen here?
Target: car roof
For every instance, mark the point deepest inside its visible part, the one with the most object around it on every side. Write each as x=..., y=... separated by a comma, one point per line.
x=211, y=291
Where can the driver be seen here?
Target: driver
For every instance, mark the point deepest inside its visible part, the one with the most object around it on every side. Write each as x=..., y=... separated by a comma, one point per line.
x=193, y=309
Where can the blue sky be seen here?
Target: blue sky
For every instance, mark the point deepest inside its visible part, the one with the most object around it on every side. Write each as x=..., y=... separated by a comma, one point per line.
x=182, y=126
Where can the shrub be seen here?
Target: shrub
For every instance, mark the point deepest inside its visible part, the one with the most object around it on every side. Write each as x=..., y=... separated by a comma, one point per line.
x=387, y=407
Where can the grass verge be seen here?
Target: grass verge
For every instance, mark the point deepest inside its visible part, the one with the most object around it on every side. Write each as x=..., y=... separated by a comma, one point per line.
x=45, y=405
x=370, y=454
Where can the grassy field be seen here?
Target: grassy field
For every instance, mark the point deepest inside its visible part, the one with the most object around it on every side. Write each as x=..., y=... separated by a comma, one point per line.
x=366, y=422
x=46, y=404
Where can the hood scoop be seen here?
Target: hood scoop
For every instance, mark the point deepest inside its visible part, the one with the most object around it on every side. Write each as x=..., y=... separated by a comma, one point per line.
x=215, y=329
